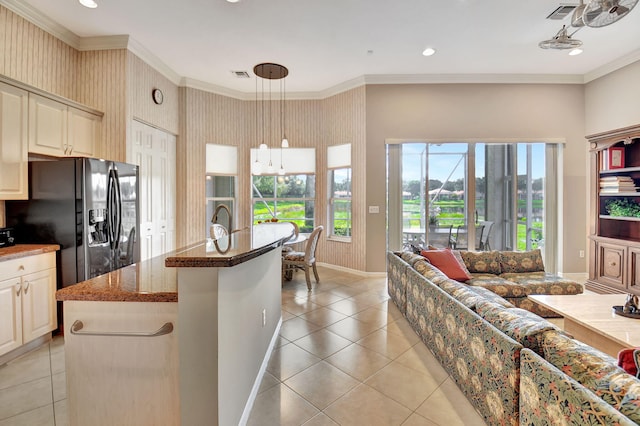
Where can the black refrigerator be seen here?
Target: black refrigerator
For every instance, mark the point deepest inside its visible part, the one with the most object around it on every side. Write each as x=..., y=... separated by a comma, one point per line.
x=89, y=207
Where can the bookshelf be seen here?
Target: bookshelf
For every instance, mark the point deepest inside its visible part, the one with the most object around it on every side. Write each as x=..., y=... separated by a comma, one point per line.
x=614, y=218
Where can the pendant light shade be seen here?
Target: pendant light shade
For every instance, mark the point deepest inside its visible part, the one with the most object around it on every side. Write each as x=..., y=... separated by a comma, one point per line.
x=264, y=115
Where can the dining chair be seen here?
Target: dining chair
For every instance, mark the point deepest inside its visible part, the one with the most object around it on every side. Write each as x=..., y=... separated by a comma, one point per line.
x=304, y=260
x=485, y=242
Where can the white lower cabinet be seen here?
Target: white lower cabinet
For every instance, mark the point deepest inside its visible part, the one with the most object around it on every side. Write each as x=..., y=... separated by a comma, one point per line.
x=27, y=300
x=121, y=361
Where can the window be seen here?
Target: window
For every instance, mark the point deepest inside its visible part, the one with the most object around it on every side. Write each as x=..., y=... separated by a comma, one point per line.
x=220, y=186
x=474, y=195
x=339, y=165
x=340, y=202
x=289, y=197
x=219, y=190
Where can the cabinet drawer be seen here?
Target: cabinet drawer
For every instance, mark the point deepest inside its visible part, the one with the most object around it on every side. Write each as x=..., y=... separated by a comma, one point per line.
x=27, y=265
x=611, y=264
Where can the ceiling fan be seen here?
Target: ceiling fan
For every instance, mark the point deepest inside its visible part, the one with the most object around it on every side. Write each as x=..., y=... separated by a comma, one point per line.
x=600, y=13
x=562, y=40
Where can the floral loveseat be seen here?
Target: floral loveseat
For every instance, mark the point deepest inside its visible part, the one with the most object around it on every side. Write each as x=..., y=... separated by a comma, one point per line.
x=513, y=366
x=515, y=275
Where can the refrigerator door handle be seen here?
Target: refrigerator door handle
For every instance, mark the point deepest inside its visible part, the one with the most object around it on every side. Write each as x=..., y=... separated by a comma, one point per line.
x=115, y=212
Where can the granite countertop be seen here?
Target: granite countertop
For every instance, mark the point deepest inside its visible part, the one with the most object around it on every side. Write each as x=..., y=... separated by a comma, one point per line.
x=240, y=246
x=155, y=280
x=23, y=250
x=146, y=281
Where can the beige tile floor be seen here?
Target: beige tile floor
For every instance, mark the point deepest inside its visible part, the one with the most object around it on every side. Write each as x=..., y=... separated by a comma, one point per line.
x=33, y=388
x=345, y=356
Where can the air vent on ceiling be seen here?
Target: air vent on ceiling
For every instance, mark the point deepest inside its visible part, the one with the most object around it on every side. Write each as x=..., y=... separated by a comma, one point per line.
x=240, y=74
x=562, y=11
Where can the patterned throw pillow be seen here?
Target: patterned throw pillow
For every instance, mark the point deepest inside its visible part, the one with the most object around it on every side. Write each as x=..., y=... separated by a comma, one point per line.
x=521, y=261
x=482, y=262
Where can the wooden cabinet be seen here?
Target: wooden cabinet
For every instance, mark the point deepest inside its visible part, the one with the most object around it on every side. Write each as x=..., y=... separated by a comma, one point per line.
x=614, y=228
x=27, y=300
x=59, y=130
x=13, y=143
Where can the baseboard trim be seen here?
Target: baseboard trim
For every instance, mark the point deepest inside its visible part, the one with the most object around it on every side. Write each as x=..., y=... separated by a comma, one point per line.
x=263, y=368
x=353, y=271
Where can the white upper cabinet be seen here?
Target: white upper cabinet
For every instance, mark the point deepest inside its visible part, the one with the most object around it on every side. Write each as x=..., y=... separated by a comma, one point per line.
x=13, y=143
x=60, y=130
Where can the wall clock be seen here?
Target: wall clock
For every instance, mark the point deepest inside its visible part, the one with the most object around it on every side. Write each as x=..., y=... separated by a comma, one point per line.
x=157, y=96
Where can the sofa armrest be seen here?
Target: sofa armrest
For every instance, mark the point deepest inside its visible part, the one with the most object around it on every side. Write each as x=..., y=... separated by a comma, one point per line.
x=548, y=396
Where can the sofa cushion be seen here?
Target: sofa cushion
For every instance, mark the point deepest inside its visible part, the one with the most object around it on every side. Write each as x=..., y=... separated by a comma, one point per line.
x=519, y=324
x=498, y=285
x=622, y=391
x=447, y=263
x=483, y=262
x=521, y=261
x=491, y=296
x=544, y=283
x=579, y=361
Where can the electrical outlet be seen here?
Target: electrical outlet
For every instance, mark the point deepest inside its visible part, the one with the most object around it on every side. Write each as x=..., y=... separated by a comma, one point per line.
x=264, y=317
x=581, y=254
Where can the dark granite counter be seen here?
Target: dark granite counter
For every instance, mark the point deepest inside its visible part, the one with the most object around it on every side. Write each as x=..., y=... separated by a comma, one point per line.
x=22, y=250
x=240, y=246
x=155, y=280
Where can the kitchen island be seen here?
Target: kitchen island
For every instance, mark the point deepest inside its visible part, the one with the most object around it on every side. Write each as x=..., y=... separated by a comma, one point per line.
x=186, y=343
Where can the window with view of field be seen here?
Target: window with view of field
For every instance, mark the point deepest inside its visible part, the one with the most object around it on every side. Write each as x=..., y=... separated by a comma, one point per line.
x=340, y=202
x=289, y=197
x=457, y=194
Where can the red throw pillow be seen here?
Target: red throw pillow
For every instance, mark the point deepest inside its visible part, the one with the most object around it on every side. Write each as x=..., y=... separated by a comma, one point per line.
x=627, y=361
x=447, y=263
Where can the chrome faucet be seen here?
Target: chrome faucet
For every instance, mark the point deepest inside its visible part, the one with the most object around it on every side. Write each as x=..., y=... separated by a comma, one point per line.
x=214, y=218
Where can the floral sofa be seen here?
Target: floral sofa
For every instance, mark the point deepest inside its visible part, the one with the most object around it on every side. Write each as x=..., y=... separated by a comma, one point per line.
x=514, y=366
x=515, y=275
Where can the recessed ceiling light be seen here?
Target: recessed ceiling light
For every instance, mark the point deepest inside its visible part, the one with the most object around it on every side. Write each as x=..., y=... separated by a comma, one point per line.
x=233, y=1
x=575, y=51
x=429, y=51
x=89, y=3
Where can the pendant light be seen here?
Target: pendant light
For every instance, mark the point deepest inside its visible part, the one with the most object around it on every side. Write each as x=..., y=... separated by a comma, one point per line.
x=270, y=71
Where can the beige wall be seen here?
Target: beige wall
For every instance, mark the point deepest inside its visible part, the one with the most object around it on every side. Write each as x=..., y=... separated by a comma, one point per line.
x=141, y=80
x=613, y=101
x=33, y=56
x=472, y=111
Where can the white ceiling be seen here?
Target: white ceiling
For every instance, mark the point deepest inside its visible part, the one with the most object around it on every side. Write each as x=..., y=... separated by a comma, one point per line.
x=327, y=43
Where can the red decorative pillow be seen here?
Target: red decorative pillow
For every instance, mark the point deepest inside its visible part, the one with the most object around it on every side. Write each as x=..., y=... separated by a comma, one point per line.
x=447, y=263
x=627, y=361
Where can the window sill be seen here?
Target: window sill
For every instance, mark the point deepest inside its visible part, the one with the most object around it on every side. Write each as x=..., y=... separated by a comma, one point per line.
x=339, y=239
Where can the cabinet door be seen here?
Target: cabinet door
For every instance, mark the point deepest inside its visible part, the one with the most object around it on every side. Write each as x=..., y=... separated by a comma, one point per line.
x=47, y=126
x=10, y=315
x=611, y=265
x=633, y=281
x=13, y=143
x=83, y=133
x=38, y=304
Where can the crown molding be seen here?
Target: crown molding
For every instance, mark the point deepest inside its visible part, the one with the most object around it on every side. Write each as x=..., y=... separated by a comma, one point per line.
x=103, y=43
x=475, y=79
x=612, y=66
x=152, y=60
x=42, y=21
x=215, y=89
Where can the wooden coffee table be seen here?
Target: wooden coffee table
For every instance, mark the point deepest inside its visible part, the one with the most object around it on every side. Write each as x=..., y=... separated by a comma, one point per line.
x=590, y=318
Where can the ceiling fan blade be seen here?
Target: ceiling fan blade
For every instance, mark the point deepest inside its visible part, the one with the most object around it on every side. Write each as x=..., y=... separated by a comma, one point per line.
x=590, y=15
x=621, y=10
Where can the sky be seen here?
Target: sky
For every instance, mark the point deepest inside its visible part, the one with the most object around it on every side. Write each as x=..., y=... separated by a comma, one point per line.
x=448, y=158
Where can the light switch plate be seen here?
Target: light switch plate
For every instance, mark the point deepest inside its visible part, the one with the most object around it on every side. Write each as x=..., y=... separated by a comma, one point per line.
x=374, y=209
